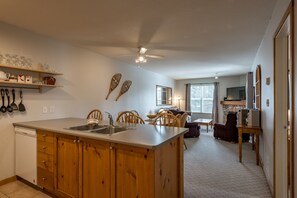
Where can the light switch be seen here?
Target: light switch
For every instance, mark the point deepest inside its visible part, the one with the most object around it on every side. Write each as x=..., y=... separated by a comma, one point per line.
x=268, y=81
x=267, y=102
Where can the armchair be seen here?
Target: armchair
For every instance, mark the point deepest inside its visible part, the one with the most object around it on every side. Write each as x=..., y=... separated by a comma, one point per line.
x=229, y=131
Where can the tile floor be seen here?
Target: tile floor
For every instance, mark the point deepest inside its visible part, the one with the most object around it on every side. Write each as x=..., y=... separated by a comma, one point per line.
x=18, y=189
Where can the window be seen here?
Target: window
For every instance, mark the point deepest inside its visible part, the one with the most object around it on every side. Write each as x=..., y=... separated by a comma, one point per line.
x=202, y=98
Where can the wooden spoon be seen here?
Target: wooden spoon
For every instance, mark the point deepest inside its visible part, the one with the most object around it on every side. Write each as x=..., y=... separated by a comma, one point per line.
x=114, y=83
x=125, y=87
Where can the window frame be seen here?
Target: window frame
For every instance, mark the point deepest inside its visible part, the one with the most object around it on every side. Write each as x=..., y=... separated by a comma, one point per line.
x=202, y=98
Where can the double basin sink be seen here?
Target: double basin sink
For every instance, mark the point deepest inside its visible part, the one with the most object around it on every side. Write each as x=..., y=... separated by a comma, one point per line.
x=97, y=128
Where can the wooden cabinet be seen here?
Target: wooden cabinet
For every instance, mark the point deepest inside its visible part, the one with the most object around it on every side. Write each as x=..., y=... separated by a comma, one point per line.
x=67, y=166
x=96, y=172
x=82, y=167
x=22, y=70
x=45, y=160
x=140, y=172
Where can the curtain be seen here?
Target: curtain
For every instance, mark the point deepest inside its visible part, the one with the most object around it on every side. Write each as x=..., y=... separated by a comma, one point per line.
x=188, y=97
x=215, y=106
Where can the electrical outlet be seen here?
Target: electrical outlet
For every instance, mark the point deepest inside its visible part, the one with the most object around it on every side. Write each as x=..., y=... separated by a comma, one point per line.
x=44, y=109
x=52, y=109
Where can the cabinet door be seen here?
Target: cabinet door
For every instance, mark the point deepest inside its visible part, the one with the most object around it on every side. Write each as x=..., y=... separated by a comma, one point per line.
x=67, y=166
x=96, y=169
x=134, y=172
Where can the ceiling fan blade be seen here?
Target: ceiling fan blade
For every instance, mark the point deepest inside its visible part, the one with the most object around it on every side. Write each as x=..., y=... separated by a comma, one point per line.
x=154, y=56
x=126, y=55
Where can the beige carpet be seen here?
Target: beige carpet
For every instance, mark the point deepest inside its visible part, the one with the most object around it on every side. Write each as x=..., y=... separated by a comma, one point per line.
x=212, y=169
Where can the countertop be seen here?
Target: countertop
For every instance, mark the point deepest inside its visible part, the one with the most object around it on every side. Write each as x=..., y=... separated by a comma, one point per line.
x=140, y=135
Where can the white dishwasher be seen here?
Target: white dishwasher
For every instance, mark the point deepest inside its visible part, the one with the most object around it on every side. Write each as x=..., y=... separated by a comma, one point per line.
x=26, y=154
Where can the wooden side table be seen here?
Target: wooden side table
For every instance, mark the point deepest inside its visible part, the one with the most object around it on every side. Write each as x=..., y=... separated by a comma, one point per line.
x=250, y=130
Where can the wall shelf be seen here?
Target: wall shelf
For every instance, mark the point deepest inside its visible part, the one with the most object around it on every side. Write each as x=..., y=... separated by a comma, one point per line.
x=29, y=70
x=9, y=84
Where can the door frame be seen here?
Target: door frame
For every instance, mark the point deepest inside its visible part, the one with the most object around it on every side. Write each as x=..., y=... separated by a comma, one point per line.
x=289, y=12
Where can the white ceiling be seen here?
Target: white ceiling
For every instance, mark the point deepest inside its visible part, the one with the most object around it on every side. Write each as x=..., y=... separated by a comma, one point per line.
x=198, y=38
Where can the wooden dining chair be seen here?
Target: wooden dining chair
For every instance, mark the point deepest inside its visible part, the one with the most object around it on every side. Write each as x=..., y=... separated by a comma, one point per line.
x=166, y=119
x=129, y=117
x=135, y=119
x=95, y=114
x=135, y=112
x=122, y=116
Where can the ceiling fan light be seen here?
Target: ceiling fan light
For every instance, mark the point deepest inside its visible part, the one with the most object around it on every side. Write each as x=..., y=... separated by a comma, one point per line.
x=136, y=60
x=142, y=50
x=141, y=58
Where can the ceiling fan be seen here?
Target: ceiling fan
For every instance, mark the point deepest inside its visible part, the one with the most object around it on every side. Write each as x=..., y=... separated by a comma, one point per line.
x=142, y=56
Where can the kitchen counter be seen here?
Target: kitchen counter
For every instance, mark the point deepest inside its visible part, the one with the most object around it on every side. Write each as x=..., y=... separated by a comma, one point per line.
x=142, y=161
x=145, y=136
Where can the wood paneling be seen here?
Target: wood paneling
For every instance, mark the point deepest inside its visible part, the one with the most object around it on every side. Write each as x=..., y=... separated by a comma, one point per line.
x=45, y=161
x=45, y=147
x=134, y=172
x=167, y=170
x=45, y=179
x=45, y=158
x=67, y=166
x=45, y=136
x=96, y=169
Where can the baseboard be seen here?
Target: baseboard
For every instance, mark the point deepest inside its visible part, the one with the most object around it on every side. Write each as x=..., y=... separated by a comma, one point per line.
x=8, y=180
x=269, y=183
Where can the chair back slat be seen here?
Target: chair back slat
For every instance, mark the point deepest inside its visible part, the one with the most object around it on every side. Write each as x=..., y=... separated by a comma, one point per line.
x=95, y=114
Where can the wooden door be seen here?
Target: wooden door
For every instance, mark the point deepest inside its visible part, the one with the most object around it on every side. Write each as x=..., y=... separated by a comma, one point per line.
x=67, y=166
x=96, y=169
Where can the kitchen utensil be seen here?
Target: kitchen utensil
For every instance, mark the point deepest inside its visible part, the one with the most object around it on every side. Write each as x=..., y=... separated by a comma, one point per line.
x=3, y=108
x=13, y=105
x=8, y=108
x=114, y=83
x=21, y=105
x=125, y=87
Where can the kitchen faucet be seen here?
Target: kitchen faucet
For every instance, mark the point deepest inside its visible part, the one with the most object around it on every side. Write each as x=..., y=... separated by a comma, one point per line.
x=111, y=126
x=110, y=118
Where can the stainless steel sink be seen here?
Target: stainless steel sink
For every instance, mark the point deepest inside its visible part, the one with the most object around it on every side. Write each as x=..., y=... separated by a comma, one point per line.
x=87, y=127
x=109, y=130
x=96, y=128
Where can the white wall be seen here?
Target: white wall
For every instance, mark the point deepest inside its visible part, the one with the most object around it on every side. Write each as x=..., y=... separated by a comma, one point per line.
x=224, y=83
x=265, y=59
x=86, y=82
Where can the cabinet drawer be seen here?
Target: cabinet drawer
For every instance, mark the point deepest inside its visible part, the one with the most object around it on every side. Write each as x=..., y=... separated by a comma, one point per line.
x=45, y=136
x=45, y=161
x=45, y=179
x=45, y=147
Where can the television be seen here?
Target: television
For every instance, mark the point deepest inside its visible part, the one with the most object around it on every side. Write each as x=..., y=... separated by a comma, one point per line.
x=236, y=93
